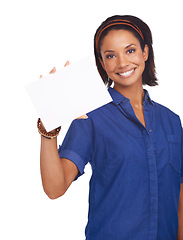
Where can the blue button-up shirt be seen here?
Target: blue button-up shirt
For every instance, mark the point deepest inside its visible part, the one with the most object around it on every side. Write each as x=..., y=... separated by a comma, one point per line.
x=136, y=171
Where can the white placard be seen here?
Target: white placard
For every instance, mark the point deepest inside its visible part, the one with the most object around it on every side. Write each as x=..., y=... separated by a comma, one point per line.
x=68, y=93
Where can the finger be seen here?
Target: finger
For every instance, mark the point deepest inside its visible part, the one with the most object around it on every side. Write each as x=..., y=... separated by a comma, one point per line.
x=42, y=125
x=53, y=70
x=66, y=64
x=83, y=117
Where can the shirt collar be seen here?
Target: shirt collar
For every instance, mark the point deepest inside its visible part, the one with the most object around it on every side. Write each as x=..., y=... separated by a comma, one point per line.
x=147, y=97
x=118, y=97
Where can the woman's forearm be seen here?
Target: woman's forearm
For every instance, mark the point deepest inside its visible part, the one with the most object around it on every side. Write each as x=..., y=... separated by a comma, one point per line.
x=52, y=171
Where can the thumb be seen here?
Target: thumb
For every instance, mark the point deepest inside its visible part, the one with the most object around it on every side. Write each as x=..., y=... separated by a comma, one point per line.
x=83, y=117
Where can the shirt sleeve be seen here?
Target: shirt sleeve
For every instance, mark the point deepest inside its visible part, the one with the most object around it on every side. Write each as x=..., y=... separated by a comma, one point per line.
x=77, y=144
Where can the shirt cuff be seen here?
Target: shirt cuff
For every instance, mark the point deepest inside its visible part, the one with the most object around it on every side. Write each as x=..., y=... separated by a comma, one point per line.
x=181, y=180
x=75, y=158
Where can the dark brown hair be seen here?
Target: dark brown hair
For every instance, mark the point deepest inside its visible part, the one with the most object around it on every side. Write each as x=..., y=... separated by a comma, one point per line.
x=149, y=74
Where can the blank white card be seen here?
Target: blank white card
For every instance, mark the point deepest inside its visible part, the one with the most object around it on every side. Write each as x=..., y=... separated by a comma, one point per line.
x=68, y=93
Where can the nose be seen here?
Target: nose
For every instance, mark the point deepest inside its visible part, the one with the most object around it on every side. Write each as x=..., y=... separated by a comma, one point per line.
x=122, y=61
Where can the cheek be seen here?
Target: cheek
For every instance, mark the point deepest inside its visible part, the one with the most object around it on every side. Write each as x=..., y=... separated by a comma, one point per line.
x=142, y=63
x=109, y=65
x=139, y=59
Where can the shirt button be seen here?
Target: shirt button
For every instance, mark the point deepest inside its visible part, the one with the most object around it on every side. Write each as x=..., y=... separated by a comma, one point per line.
x=150, y=130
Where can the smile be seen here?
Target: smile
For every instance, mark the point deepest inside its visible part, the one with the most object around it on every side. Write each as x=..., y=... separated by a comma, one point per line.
x=127, y=74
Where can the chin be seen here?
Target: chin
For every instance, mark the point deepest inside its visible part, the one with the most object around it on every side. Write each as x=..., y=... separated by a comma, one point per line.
x=127, y=82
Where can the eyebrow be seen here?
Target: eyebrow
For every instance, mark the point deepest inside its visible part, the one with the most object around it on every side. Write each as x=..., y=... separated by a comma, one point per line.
x=125, y=48
x=109, y=51
x=130, y=45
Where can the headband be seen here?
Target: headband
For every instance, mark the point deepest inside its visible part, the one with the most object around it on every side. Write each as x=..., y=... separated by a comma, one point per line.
x=117, y=22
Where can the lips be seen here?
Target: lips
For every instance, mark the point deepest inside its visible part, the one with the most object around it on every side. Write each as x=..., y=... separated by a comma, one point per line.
x=127, y=73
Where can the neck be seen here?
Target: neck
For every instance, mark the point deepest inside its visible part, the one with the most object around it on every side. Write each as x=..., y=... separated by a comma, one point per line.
x=134, y=93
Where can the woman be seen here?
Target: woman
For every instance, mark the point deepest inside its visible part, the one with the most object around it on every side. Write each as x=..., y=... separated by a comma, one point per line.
x=133, y=144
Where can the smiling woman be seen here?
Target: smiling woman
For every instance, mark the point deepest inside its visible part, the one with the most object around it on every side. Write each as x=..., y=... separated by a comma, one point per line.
x=134, y=145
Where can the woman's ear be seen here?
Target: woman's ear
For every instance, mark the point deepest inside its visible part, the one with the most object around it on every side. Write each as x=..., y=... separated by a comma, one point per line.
x=146, y=52
x=102, y=63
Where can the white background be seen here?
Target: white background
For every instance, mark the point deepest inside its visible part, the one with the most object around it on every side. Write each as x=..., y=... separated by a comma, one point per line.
x=37, y=35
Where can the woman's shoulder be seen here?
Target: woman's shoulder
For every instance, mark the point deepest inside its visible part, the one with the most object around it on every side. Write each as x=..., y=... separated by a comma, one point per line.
x=166, y=112
x=101, y=111
x=161, y=107
x=92, y=116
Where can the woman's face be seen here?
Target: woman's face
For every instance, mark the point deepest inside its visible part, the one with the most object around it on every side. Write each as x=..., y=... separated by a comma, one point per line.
x=123, y=58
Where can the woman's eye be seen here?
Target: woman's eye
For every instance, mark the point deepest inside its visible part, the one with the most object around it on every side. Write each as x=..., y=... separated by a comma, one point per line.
x=110, y=56
x=131, y=51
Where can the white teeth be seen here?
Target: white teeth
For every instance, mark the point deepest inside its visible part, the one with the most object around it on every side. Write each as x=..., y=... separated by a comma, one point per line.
x=126, y=74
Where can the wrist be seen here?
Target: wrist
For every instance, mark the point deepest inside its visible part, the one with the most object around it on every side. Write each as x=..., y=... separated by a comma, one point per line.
x=49, y=135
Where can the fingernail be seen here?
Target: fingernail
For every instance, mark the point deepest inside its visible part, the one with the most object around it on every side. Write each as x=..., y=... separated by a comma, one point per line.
x=67, y=63
x=53, y=70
